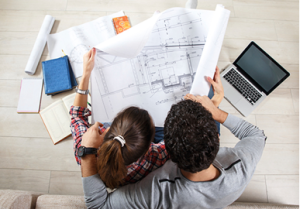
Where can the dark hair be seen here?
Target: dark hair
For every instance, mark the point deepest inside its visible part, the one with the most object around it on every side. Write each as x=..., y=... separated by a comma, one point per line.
x=136, y=127
x=191, y=136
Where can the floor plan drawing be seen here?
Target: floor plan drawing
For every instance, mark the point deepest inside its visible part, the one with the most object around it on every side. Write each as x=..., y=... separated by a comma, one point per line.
x=160, y=75
x=185, y=29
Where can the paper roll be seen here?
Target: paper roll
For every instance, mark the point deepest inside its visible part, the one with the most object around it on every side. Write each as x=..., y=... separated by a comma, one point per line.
x=211, y=51
x=39, y=45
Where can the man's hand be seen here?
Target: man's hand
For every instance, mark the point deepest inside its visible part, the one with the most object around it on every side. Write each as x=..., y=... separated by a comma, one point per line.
x=93, y=137
x=89, y=62
x=217, y=87
x=217, y=114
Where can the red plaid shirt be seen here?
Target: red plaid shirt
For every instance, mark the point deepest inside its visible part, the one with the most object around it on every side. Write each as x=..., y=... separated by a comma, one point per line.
x=155, y=157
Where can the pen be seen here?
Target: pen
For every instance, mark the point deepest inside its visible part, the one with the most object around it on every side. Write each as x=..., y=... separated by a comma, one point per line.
x=89, y=104
x=63, y=52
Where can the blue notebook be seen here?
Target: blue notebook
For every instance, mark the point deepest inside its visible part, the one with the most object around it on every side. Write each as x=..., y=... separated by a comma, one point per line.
x=58, y=76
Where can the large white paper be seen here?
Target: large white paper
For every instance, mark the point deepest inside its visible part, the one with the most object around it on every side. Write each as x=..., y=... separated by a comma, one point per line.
x=78, y=40
x=39, y=45
x=154, y=69
x=130, y=42
x=30, y=95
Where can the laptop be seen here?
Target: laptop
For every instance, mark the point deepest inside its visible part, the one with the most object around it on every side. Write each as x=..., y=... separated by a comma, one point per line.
x=251, y=78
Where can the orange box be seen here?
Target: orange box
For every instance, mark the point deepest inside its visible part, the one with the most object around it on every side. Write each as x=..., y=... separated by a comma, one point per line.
x=121, y=24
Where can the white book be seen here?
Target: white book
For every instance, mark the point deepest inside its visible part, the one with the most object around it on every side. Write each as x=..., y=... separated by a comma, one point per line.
x=30, y=95
x=57, y=119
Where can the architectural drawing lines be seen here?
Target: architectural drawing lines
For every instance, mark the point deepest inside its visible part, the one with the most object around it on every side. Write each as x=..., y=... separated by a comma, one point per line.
x=163, y=71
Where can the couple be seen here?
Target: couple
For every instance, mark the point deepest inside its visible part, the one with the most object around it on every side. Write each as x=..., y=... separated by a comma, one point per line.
x=194, y=173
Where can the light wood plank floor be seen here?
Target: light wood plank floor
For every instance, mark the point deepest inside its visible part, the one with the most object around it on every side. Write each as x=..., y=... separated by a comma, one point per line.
x=29, y=160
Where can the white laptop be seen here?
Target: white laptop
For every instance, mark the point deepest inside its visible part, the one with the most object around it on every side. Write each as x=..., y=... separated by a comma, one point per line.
x=251, y=78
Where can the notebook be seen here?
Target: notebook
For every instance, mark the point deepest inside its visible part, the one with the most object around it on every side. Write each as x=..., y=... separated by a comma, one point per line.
x=30, y=95
x=121, y=24
x=56, y=118
x=251, y=78
x=58, y=76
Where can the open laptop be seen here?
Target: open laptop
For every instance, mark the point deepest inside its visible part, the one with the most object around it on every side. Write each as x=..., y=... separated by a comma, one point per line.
x=251, y=78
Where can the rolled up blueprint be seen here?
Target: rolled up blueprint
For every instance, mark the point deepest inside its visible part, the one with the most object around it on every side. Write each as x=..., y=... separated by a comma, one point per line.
x=211, y=51
x=39, y=45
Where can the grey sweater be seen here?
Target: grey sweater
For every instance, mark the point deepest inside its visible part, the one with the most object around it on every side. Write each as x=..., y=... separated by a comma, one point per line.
x=168, y=188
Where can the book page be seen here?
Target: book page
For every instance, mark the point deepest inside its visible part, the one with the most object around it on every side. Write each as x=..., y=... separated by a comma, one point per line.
x=68, y=101
x=57, y=121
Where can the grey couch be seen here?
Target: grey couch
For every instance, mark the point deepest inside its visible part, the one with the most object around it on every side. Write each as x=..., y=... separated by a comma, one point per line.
x=15, y=199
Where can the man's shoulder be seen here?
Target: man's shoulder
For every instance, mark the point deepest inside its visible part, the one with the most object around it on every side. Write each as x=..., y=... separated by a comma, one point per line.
x=227, y=157
x=233, y=164
x=168, y=170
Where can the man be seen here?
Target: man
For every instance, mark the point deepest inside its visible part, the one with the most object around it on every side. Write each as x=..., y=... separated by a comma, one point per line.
x=199, y=174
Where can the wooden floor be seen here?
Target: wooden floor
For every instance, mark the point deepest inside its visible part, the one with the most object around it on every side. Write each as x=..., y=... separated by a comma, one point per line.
x=29, y=160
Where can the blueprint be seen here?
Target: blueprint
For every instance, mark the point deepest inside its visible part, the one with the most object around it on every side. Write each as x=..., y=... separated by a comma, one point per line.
x=155, y=70
x=78, y=40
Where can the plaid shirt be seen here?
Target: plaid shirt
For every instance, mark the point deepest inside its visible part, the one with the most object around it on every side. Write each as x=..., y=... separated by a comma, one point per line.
x=155, y=157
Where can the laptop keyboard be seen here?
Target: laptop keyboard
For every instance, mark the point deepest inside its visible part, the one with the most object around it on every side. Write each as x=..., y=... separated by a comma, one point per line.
x=242, y=85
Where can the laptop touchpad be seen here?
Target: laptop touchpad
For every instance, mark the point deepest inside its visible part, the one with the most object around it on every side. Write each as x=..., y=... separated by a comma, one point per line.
x=233, y=95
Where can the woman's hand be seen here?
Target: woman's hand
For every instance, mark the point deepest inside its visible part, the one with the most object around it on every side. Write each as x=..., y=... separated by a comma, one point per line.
x=88, y=62
x=217, y=87
x=88, y=65
x=93, y=137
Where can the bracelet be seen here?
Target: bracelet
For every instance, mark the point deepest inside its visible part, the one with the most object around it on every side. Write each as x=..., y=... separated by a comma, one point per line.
x=83, y=92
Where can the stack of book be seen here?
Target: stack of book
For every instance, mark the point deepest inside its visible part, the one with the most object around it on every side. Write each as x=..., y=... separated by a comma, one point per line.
x=58, y=75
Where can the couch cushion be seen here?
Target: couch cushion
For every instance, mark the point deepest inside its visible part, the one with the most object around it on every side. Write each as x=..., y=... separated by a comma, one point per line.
x=14, y=199
x=244, y=205
x=60, y=201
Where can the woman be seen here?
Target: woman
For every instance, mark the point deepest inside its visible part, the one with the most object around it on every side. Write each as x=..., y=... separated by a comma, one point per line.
x=126, y=154
x=127, y=140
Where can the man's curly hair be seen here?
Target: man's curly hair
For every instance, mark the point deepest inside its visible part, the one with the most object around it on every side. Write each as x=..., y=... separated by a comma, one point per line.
x=191, y=136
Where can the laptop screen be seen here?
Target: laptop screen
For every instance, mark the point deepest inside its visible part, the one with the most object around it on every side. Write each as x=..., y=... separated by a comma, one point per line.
x=260, y=68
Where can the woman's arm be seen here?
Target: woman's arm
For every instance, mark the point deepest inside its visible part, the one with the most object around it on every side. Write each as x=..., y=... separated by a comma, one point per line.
x=88, y=65
x=79, y=112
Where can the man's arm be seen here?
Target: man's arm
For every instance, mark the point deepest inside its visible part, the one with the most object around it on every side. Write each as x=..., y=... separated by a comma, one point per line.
x=252, y=143
x=95, y=193
x=217, y=88
x=252, y=140
x=217, y=114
